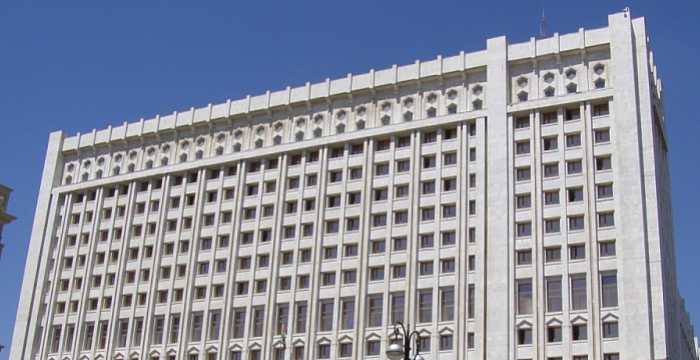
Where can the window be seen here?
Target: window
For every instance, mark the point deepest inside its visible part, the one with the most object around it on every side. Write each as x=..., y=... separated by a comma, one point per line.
x=325, y=318
x=447, y=303
x=524, y=229
x=449, y=158
x=449, y=184
x=381, y=169
x=600, y=110
x=381, y=194
x=522, y=147
x=428, y=187
x=399, y=243
x=522, y=201
x=601, y=136
x=524, y=296
x=579, y=332
x=606, y=219
x=347, y=313
x=427, y=213
x=448, y=238
x=445, y=342
x=524, y=257
x=607, y=248
x=522, y=173
x=573, y=140
x=376, y=273
x=398, y=271
x=429, y=161
x=378, y=220
x=574, y=167
x=425, y=306
x=551, y=226
x=554, y=333
x=522, y=122
x=608, y=291
x=548, y=118
x=551, y=197
x=336, y=176
x=425, y=268
x=397, y=307
x=611, y=356
x=372, y=347
x=403, y=165
x=578, y=292
x=447, y=266
x=401, y=217
x=374, y=310
x=604, y=191
x=344, y=350
x=576, y=223
x=324, y=351
x=524, y=336
x=401, y=191
x=572, y=114
x=610, y=330
x=300, y=317
x=603, y=163
x=550, y=170
x=554, y=293
x=577, y=252
x=550, y=143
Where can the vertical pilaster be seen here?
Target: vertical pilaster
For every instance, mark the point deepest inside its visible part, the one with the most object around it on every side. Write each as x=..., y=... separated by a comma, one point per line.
x=497, y=296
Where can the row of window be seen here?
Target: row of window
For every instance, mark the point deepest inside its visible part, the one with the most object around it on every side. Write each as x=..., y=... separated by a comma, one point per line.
x=606, y=219
x=551, y=142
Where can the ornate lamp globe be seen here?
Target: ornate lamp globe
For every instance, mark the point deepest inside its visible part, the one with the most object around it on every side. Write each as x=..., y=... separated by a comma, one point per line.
x=395, y=351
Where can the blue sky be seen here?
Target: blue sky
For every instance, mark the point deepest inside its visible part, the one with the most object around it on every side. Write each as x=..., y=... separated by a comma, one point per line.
x=81, y=65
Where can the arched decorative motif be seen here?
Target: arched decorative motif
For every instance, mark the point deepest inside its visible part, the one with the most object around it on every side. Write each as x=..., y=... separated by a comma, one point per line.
x=431, y=112
x=477, y=104
x=571, y=88
x=408, y=116
x=386, y=120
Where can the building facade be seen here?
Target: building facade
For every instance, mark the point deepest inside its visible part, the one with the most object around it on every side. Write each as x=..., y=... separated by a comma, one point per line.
x=510, y=203
x=5, y=217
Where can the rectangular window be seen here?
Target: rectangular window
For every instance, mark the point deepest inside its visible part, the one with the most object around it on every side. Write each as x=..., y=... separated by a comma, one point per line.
x=325, y=317
x=550, y=170
x=606, y=219
x=374, y=310
x=238, y=323
x=554, y=293
x=610, y=330
x=608, y=291
x=522, y=173
x=607, y=248
x=196, y=326
x=552, y=226
x=524, y=296
x=578, y=292
x=300, y=317
x=550, y=143
x=447, y=303
x=397, y=307
x=576, y=222
x=601, y=136
x=551, y=197
x=522, y=147
x=522, y=201
x=574, y=167
x=524, y=257
x=522, y=122
x=577, y=252
x=425, y=306
x=347, y=313
x=523, y=229
x=258, y=322
x=603, y=163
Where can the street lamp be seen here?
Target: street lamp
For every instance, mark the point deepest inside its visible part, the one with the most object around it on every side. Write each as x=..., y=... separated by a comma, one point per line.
x=396, y=351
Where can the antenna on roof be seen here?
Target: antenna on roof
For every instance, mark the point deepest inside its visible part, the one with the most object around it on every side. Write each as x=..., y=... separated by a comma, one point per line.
x=543, y=25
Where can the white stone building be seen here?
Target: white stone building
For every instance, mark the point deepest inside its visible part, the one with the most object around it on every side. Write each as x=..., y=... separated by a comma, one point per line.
x=510, y=203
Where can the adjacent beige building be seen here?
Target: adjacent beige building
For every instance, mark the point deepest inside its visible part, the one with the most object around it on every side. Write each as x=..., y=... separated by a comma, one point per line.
x=5, y=217
x=509, y=203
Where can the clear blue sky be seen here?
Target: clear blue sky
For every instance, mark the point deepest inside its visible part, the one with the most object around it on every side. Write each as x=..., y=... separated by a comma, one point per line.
x=78, y=65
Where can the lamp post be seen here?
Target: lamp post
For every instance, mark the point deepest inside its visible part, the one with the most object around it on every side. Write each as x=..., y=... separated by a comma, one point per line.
x=396, y=351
